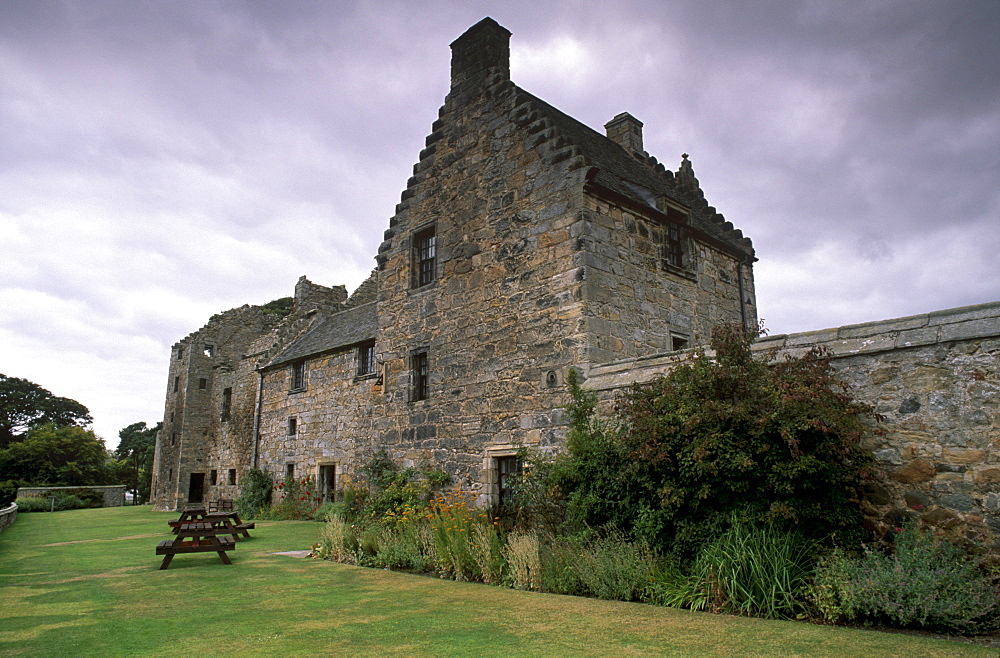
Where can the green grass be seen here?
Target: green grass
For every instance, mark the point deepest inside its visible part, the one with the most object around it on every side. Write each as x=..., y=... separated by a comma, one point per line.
x=86, y=583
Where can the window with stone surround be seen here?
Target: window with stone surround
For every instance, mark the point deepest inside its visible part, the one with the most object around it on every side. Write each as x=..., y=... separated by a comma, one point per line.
x=298, y=376
x=419, y=373
x=290, y=471
x=508, y=473
x=293, y=425
x=424, y=257
x=366, y=359
x=232, y=476
x=670, y=246
x=213, y=477
x=679, y=341
x=202, y=383
x=227, y=404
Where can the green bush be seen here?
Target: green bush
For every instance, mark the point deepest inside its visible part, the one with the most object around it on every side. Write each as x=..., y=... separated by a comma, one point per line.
x=559, y=573
x=727, y=433
x=34, y=504
x=326, y=510
x=751, y=569
x=927, y=583
x=63, y=501
x=609, y=567
x=8, y=492
x=255, y=494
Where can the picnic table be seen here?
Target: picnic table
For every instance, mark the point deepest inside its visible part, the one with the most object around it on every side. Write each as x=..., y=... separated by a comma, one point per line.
x=195, y=537
x=229, y=523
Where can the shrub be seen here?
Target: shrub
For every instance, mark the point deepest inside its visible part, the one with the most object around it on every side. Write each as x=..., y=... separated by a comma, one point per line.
x=326, y=510
x=34, y=504
x=523, y=560
x=755, y=570
x=63, y=501
x=558, y=571
x=255, y=494
x=724, y=434
x=338, y=541
x=299, y=500
x=926, y=583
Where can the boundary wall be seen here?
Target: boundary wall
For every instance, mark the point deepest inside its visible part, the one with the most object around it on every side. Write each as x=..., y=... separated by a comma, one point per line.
x=7, y=516
x=935, y=380
x=114, y=495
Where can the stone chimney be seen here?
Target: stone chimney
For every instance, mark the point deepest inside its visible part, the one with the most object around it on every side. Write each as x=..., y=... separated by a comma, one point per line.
x=483, y=51
x=626, y=131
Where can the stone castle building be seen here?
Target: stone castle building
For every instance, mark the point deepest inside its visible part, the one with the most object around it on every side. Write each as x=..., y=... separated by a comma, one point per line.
x=525, y=244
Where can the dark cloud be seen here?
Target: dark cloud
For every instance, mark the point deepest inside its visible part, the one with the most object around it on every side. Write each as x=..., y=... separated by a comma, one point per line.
x=163, y=161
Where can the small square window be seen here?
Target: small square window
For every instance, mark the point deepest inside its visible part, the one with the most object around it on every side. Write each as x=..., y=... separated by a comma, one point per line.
x=232, y=476
x=209, y=351
x=366, y=359
x=202, y=383
x=298, y=376
x=292, y=426
x=679, y=342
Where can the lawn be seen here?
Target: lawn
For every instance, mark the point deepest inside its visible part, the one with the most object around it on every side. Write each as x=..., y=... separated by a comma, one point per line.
x=86, y=583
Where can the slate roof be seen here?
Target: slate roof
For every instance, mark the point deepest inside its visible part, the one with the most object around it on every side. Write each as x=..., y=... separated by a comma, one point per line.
x=640, y=182
x=341, y=330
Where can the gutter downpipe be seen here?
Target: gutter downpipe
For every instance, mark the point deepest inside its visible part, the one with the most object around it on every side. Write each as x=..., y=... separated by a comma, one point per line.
x=256, y=416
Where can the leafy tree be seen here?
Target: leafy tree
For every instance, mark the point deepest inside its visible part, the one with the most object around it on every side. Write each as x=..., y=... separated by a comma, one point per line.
x=50, y=455
x=724, y=437
x=24, y=405
x=136, y=445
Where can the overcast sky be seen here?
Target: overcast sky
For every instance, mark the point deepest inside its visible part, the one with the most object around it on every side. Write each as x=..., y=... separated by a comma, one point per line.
x=164, y=161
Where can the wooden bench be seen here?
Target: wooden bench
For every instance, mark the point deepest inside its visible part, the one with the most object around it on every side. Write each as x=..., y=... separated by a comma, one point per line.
x=195, y=538
x=221, y=505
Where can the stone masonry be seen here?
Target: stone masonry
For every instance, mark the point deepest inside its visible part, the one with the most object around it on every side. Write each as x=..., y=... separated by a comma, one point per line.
x=526, y=244
x=935, y=380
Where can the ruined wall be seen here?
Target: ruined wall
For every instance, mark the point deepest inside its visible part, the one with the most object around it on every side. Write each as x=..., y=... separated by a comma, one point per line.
x=203, y=366
x=935, y=378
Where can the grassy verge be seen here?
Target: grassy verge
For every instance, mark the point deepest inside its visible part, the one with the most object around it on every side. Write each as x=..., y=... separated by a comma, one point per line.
x=85, y=582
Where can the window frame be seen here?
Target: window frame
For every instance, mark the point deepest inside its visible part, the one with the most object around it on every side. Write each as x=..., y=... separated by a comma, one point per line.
x=420, y=375
x=365, y=356
x=424, y=257
x=293, y=426
x=297, y=376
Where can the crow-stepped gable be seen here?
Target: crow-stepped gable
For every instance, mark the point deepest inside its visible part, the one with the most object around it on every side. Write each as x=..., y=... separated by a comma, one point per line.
x=524, y=244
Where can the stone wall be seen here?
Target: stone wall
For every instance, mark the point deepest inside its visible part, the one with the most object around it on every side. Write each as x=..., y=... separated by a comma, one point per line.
x=935, y=379
x=114, y=495
x=7, y=516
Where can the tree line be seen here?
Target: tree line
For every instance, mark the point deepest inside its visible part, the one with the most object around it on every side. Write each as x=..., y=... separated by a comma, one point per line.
x=45, y=441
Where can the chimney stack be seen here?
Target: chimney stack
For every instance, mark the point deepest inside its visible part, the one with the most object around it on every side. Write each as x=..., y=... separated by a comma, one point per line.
x=626, y=131
x=483, y=51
